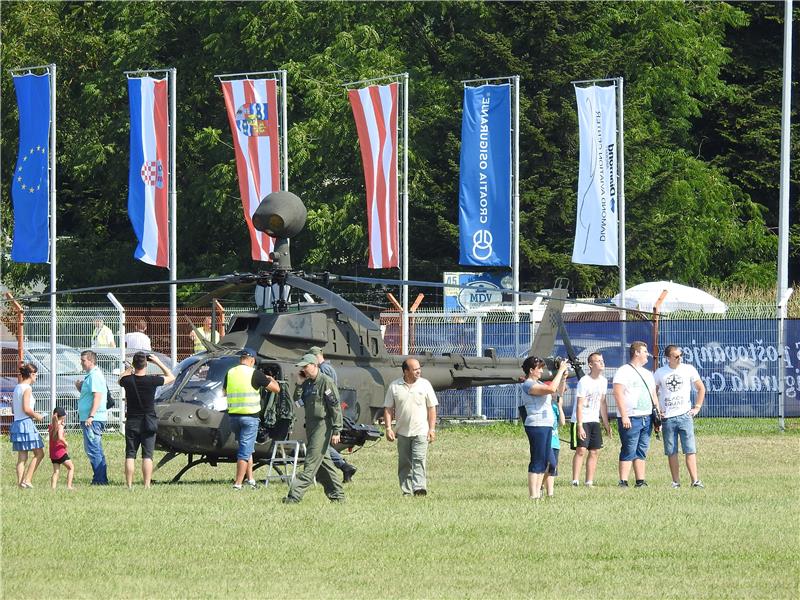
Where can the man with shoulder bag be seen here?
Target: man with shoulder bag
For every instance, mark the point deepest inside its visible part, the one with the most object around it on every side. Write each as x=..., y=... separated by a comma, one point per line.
x=141, y=421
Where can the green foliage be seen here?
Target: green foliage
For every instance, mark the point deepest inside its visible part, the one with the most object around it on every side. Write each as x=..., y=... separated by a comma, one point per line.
x=701, y=122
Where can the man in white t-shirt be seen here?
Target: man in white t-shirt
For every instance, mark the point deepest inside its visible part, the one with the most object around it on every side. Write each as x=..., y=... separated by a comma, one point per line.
x=412, y=402
x=138, y=340
x=675, y=381
x=635, y=395
x=590, y=406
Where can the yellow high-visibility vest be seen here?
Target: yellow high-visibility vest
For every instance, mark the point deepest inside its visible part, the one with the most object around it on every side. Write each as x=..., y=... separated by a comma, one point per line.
x=213, y=335
x=243, y=398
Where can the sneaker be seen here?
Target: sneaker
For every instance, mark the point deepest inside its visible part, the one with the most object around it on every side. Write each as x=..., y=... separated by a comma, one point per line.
x=590, y=483
x=420, y=492
x=252, y=483
x=290, y=500
x=641, y=484
x=698, y=484
x=676, y=485
x=575, y=483
x=237, y=486
x=622, y=483
x=26, y=486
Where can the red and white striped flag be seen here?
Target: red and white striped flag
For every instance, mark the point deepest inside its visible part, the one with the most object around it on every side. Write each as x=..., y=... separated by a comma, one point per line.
x=252, y=106
x=375, y=112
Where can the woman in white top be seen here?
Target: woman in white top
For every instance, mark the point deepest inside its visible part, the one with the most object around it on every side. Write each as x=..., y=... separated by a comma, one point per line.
x=23, y=433
x=537, y=416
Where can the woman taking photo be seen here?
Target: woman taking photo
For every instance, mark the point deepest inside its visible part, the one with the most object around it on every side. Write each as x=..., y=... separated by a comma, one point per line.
x=23, y=433
x=537, y=416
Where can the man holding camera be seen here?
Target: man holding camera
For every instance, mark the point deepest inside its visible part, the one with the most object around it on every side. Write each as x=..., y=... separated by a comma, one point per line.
x=319, y=396
x=242, y=387
x=141, y=422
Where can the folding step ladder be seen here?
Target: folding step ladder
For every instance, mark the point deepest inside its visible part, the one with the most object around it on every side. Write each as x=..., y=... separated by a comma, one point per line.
x=285, y=454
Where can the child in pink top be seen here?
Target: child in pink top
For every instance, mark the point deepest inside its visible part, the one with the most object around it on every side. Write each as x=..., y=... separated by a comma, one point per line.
x=58, y=448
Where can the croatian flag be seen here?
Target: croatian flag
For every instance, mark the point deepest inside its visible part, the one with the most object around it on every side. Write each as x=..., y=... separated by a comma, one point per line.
x=375, y=112
x=30, y=187
x=148, y=176
x=252, y=106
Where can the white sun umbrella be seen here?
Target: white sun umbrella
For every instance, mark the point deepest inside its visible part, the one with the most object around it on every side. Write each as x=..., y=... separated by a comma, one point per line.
x=679, y=297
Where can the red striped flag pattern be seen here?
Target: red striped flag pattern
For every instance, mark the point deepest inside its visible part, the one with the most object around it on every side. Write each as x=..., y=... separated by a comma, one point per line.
x=375, y=112
x=252, y=106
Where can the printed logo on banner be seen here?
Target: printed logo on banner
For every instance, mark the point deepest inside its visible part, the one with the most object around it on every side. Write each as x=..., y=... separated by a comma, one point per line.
x=31, y=172
x=482, y=244
x=153, y=173
x=251, y=119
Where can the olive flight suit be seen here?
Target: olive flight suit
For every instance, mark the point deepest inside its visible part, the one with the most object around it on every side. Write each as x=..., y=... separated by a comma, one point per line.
x=323, y=411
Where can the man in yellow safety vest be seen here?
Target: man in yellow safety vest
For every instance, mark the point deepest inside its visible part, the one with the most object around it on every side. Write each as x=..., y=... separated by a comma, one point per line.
x=242, y=385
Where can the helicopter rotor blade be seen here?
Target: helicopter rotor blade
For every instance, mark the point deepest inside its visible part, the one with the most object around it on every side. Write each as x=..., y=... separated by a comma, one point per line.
x=116, y=286
x=334, y=300
x=434, y=284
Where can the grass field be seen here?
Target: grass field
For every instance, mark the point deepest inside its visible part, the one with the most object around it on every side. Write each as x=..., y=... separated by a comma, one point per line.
x=475, y=536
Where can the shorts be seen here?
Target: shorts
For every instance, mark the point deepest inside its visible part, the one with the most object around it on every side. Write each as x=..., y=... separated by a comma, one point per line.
x=681, y=427
x=636, y=440
x=594, y=438
x=539, y=440
x=552, y=463
x=245, y=428
x=134, y=437
x=60, y=461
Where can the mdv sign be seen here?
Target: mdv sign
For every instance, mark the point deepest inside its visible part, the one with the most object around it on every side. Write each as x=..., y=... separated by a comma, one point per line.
x=483, y=291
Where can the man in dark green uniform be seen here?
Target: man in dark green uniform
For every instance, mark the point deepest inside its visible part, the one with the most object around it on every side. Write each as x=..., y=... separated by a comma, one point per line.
x=319, y=396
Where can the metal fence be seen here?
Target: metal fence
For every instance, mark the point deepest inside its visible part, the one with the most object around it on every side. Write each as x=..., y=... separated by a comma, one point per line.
x=736, y=355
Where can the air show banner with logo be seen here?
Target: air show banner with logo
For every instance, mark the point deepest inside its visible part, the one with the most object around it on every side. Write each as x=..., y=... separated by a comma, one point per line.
x=596, y=228
x=483, y=291
x=484, y=199
x=252, y=106
x=148, y=175
x=30, y=186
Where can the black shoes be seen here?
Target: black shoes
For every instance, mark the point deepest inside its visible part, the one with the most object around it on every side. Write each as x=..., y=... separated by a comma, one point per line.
x=348, y=471
x=420, y=492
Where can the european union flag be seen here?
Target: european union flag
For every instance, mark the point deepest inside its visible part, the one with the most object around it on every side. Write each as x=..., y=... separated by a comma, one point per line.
x=30, y=186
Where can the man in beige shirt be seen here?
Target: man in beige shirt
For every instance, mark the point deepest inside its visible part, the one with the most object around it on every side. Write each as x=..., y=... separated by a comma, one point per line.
x=412, y=402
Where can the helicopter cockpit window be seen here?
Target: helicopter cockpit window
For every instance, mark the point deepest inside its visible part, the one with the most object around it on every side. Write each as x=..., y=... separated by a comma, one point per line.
x=202, y=385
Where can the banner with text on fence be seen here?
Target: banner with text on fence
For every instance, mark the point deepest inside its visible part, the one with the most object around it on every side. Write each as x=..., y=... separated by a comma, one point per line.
x=148, y=175
x=375, y=112
x=252, y=106
x=30, y=186
x=484, y=198
x=596, y=223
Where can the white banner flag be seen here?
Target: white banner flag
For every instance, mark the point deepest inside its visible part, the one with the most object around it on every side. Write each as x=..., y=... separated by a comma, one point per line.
x=596, y=226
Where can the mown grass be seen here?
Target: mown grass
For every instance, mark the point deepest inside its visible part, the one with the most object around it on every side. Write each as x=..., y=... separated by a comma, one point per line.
x=475, y=536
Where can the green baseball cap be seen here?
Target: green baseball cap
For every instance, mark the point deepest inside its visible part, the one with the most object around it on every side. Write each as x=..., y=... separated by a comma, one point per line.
x=308, y=359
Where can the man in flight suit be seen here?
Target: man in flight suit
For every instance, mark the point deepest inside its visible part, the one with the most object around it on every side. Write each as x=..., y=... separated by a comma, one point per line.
x=319, y=396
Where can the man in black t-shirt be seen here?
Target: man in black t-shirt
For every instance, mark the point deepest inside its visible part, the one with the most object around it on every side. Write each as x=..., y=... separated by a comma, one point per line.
x=141, y=422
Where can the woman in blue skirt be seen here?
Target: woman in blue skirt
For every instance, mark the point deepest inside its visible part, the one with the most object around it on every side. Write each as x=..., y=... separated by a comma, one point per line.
x=24, y=436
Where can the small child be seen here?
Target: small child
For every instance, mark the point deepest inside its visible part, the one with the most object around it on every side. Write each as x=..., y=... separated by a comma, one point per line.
x=555, y=443
x=58, y=448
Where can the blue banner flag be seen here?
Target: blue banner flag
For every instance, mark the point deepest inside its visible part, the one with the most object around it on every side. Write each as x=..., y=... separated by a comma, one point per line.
x=484, y=199
x=30, y=186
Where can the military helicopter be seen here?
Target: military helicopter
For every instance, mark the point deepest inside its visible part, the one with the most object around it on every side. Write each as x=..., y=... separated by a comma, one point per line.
x=188, y=423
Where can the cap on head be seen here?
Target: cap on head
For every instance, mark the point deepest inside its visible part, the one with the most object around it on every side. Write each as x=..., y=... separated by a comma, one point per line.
x=315, y=350
x=246, y=352
x=308, y=359
x=59, y=411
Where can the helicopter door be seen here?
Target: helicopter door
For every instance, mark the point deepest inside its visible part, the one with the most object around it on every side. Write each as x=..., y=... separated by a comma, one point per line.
x=350, y=406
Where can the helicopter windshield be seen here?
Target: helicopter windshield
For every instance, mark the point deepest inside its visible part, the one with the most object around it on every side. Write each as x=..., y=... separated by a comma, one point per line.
x=202, y=385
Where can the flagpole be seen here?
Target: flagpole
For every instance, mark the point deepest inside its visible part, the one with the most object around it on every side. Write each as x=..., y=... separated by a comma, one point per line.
x=515, y=242
x=53, y=321
x=404, y=274
x=621, y=200
x=285, y=126
x=173, y=215
x=784, y=291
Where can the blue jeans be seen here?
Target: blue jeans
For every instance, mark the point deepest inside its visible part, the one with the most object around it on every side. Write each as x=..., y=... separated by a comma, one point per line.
x=338, y=460
x=245, y=428
x=636, y=440
x=93, y=445
x=681, y=426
